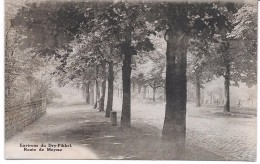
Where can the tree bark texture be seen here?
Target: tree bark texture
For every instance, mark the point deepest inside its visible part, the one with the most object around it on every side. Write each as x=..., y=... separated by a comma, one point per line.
x=97, y=90
x=91, y=93
x=197, y=90
x=126, y=76
x=139, y=90
x=133, y=82
x=110, y=93
x=154, y=90
x=144, y=96
x=227, y=60
x=227, y=91
x=174, y=128
x=103, y=87
x=87, y=93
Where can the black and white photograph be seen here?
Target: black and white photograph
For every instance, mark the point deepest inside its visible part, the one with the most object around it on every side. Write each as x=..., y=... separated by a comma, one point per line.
x=130, y=80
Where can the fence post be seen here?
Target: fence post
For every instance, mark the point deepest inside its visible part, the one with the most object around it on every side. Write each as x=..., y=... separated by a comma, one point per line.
x=113, y=118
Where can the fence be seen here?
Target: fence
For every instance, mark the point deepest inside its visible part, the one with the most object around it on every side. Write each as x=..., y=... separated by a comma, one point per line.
x=19, y=116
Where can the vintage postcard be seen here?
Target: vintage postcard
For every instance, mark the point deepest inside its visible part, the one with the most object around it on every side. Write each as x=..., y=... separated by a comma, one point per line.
x=131, y=79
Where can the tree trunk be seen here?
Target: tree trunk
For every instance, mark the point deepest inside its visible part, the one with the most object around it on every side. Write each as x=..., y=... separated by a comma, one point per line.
x=110, y=89
x=202, y=96
x=174, y=128
x=211, y=98
x=103, y=87
x=154, y=90
x=84, y=91
x=126, y=76
x=197, y=91
x=139, y=90
x=91, y=93
x=87, y=93
x=144, y=96
x=97, y=90
x=227, y=58
x=133, y=85
x=227, y=94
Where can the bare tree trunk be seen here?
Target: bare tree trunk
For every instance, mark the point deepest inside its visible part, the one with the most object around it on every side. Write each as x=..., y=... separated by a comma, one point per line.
x=211, y=98
x=197, y=91
x=174, y=128
x=126, y=76
x=84, y=91
x=110, y=93
x=144, y=96
x=202, y=96
x=133, y=85
x=97, y=90
x=139, y=90
x=154, y=90
x=227, y=58
x=227, y=94
x=103, y=87
x=91, y=93
x=87, y=93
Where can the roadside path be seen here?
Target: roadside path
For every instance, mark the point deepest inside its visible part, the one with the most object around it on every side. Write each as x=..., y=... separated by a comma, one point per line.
x=63, y=125
x=211, y=135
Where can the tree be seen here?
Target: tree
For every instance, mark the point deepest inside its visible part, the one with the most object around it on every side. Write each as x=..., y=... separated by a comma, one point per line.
x=90, y=58
x=110, y=88
x=97, y=88
x=105, y=52
x=244, y=41
x=103, y=86
x=124, y=21
x=24, y=70
x=231, y=59
x=150, y=66
x=183, y=19
x=48, y=20
x=49, y=28
x=12, y=43
x=175, y=115
x=199, y=65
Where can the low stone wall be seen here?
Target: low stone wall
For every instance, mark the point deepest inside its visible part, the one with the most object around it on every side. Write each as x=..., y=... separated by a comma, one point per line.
x=19, y=116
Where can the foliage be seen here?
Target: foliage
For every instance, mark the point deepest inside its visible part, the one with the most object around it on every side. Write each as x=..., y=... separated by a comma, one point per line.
x=150, y=66
x=237, y=47
x=199, y=62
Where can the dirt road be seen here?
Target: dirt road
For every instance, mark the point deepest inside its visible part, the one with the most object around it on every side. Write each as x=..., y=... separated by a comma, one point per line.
x=210, y=135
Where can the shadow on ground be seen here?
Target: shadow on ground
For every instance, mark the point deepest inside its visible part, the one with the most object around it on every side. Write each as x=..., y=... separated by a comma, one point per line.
x=135, y=143
x=86, y=128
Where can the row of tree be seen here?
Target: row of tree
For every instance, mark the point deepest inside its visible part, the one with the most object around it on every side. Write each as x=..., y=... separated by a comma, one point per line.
x=92, y=40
